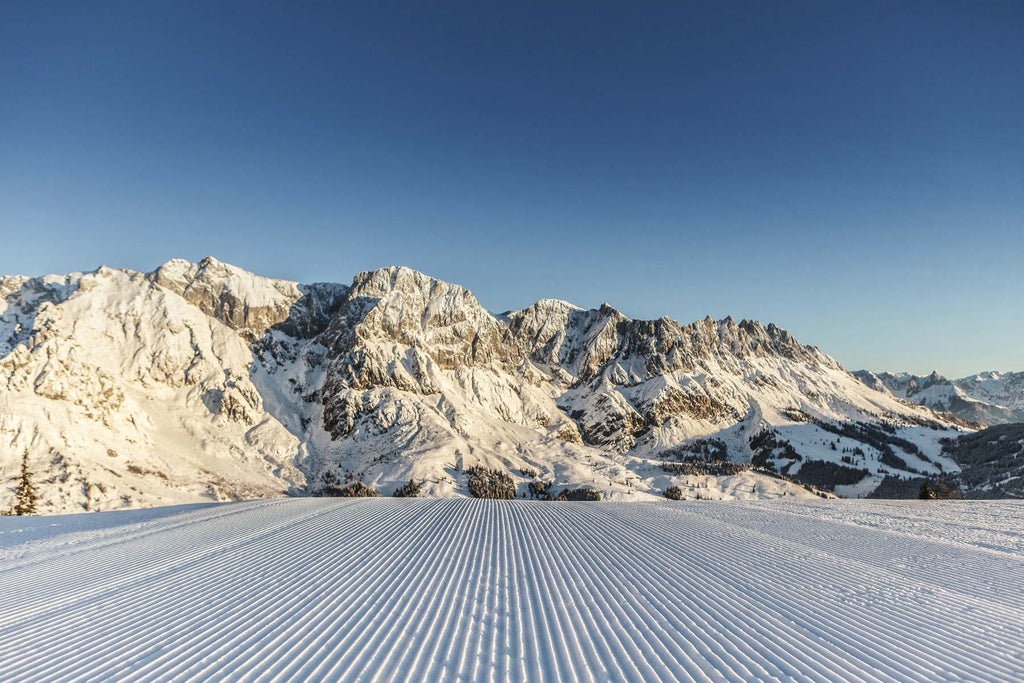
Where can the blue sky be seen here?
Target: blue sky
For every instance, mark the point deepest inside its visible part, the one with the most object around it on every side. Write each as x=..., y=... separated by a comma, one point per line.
x=853, y=172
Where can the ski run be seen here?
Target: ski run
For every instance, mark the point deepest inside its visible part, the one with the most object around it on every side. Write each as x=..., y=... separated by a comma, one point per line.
x=443, y=590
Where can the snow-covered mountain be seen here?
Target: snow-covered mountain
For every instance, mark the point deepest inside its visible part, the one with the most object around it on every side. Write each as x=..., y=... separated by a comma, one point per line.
x=123, y=393
x=988, y=398
x=204, y=381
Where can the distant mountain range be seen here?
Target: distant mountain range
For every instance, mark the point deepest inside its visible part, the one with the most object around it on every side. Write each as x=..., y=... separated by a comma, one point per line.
x=203, y=381
x=988, y=398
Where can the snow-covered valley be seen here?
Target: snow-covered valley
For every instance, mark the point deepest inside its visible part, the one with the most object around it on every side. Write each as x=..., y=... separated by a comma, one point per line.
x=459, y=589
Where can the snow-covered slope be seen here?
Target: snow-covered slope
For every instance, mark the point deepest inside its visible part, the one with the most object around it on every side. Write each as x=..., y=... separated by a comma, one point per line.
x=988, y=398
x=465, y=590
x=204, y=380
x=124, y=394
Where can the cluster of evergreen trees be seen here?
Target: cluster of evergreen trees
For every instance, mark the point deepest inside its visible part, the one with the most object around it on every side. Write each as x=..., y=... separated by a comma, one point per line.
x=714, y=468
x=356, y=489
x=580, y=494
x=490, y=483
x=698, y=450
x=881, y=436
x=765, y=443
x=674, y=493
x=541, y=490
x=410, y=490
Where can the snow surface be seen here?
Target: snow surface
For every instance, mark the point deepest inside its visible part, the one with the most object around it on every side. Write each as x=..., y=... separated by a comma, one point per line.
x=299, y=589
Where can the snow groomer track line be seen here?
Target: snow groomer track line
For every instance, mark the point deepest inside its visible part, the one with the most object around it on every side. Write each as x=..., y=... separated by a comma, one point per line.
x=318, y=589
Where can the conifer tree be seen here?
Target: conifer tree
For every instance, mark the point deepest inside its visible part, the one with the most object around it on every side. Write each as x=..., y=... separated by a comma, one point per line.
x=25, y=496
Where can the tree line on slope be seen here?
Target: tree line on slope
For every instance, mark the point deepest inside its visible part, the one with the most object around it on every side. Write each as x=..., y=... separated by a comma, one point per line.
x=483, y=482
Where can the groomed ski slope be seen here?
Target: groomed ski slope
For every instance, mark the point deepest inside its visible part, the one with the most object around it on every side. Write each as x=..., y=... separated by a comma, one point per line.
x=432, y=590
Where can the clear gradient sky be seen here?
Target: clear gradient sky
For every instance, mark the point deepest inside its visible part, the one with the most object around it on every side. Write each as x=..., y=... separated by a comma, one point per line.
x=852, y=171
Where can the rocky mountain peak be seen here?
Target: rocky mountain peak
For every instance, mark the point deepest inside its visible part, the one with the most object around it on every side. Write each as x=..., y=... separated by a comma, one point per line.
x=556, y=305
x=405, y=305
x=398, y=279
x=243, y=301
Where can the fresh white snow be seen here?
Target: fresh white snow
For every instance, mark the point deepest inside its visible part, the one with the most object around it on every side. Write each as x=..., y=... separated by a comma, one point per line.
x=382, y=589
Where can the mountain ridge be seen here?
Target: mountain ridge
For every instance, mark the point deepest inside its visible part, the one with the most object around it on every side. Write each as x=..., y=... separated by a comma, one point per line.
x=984, y=398
x=208, y=381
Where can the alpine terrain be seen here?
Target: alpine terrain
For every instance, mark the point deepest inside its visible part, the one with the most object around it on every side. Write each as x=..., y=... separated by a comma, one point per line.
x=206, y=382
x=987, y=398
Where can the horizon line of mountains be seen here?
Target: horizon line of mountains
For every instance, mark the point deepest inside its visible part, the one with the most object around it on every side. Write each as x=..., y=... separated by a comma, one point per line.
x=205, y=381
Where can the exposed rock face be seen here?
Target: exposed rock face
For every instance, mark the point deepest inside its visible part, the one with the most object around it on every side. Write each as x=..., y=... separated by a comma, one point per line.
x=697, y=405
x=21, y=301
x=414, y=310
x=608, y=420
x=400, y=329
x=241, y=300
x=206, y=381
x=313, y=312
